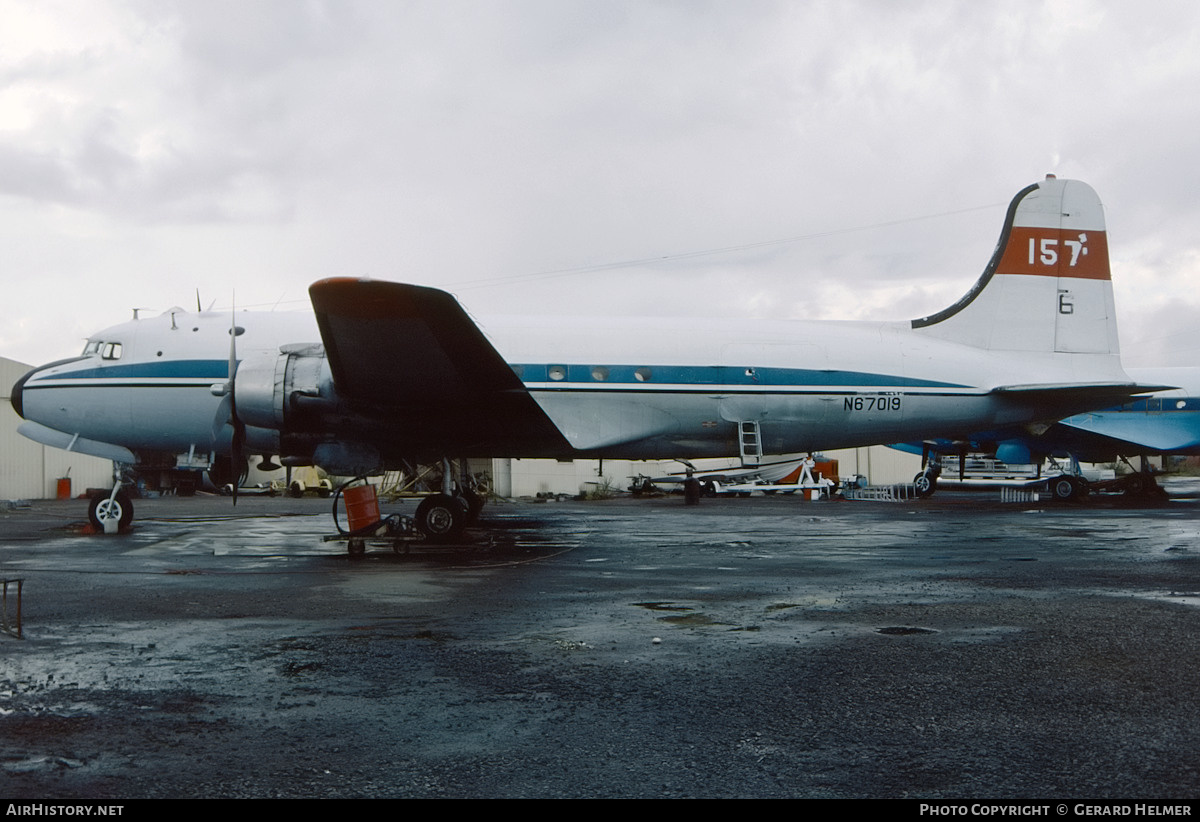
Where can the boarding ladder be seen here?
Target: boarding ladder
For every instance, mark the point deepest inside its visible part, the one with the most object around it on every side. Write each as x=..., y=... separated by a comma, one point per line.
x=750, y=442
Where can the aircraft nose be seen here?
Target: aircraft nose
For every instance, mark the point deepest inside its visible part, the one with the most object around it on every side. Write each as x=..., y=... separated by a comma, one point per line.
x=18, y=389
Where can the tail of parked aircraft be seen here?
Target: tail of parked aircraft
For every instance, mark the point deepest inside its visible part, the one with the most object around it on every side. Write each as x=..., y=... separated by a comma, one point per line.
x=1047, y=287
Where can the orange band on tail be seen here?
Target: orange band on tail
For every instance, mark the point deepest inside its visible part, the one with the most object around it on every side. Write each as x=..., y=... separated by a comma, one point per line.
x=1053, y=252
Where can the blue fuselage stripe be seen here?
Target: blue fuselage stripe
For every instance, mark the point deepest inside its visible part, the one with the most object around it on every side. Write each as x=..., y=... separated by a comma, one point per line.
x=716, y=375
x=678, y=377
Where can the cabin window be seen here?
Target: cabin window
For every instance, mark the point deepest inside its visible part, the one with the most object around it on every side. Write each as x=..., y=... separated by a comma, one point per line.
x=111, y=351
x=558, y=372
x=642, y=374
x=599, y=373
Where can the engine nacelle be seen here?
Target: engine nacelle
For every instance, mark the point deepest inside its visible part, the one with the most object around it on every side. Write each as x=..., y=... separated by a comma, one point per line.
x=265, y=384
x=289, y=405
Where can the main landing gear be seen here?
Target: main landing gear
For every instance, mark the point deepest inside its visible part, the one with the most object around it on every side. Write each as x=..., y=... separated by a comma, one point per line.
x=443, y=517
x=1069, y=487
x=926, y=481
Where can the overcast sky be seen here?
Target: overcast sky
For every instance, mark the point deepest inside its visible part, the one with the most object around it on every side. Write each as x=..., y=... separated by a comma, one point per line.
x=761, y=159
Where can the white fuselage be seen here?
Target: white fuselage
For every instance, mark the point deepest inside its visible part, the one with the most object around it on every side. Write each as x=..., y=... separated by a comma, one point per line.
x=623, y=387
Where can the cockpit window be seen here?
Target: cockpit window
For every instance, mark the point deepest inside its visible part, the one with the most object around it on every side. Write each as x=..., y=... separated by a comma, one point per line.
x=92, y=347
x=111, y=351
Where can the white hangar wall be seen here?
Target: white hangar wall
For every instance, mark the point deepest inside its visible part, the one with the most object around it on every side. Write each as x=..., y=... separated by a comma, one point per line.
x=29, y=470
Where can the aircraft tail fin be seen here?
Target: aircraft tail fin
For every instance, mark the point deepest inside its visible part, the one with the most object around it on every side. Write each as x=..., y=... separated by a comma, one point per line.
x=1047, y=287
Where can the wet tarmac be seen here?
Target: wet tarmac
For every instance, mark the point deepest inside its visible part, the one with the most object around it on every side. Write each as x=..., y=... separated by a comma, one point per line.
x=763, y=647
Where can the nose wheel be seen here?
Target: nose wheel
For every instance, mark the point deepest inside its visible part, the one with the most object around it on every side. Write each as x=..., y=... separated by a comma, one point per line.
x=105, y=509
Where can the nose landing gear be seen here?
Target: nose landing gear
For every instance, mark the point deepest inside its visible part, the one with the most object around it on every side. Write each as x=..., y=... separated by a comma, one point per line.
x=112, y=513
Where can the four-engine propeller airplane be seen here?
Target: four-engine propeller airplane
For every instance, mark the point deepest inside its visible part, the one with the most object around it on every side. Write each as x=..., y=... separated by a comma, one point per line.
x=384, y=372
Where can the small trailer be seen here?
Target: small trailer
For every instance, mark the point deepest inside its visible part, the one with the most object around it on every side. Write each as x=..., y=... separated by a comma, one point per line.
x=815, y=480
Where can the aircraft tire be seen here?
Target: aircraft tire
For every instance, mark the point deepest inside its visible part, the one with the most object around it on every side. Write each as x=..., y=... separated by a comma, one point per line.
x=441, y=518
x=474, y=504
x=100, y=510
x=926, y=484
x=1065, y=488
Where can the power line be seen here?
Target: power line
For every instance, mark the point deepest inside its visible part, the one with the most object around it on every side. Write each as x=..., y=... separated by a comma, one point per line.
x=688, y=255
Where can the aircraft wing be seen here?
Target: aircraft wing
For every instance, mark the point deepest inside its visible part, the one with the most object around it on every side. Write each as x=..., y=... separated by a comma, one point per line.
x=390, y=343
x=412, y=352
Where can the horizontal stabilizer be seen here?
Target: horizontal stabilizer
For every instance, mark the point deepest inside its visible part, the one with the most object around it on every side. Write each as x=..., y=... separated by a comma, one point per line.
x=1119, y=391
x=1059, y=400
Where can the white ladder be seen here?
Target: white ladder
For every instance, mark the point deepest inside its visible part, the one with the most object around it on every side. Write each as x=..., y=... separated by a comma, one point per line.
x=750, y=442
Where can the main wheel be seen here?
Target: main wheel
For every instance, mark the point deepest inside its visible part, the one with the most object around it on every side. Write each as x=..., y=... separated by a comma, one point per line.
x=441, y=517
x=1064, y=488
x=474, y=504
x=101, y=510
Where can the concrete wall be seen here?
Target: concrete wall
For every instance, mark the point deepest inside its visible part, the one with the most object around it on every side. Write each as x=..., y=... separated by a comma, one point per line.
x=31, y=471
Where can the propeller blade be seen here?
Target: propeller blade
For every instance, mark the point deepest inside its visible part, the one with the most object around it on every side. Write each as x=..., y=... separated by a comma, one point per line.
x=239, y=429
